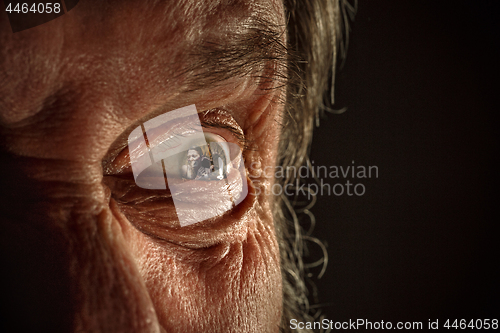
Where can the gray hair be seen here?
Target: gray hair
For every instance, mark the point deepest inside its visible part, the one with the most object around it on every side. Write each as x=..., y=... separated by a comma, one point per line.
x=317, y=37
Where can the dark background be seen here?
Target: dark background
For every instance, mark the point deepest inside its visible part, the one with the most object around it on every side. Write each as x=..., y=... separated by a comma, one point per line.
x=421, y=85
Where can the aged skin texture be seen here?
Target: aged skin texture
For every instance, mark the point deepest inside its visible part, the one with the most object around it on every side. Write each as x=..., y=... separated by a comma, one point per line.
x=70, y=92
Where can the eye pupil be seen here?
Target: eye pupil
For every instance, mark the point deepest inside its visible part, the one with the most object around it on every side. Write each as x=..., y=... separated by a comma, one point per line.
x=207, y=162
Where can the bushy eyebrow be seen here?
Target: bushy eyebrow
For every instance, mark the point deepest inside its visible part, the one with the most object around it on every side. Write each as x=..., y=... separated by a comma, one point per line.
x=258, y=49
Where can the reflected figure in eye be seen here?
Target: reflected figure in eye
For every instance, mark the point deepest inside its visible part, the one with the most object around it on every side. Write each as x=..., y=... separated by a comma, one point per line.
x=198, y=165
x=201, y=166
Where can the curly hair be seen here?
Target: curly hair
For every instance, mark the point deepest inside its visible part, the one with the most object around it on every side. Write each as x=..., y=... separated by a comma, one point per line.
x=317, y=36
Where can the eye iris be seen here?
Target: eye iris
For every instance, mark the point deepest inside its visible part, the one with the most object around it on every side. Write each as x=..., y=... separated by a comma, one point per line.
x=207, y=161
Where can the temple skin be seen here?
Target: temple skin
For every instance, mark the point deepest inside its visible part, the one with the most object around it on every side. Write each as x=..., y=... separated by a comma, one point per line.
x=70, y=89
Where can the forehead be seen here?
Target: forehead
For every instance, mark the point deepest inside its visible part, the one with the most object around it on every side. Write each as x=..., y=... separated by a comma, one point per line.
x=131, y=51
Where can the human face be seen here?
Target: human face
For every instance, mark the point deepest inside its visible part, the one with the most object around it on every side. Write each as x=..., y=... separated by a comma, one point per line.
x=71, y=90
x=193, y=158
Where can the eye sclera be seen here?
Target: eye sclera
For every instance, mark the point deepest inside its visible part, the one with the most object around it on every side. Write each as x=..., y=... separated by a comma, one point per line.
x=121, y=163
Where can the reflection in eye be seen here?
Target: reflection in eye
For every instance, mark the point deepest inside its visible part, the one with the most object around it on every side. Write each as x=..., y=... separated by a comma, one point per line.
x=202, y=160
x=204, y=174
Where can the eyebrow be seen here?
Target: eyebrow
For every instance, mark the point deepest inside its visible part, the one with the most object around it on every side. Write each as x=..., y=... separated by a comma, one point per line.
x=258, y=50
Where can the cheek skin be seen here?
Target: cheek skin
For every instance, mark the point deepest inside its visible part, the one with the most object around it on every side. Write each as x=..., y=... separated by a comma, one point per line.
x=83, y=249
x=233, y=286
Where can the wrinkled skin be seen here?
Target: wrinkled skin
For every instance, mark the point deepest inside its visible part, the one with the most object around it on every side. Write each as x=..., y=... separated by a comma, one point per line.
x=69, y=90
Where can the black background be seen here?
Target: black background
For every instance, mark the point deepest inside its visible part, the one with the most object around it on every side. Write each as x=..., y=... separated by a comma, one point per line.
x=421, y=85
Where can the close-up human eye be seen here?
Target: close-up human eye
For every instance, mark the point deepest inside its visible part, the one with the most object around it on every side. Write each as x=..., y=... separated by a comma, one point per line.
x=174, y=163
